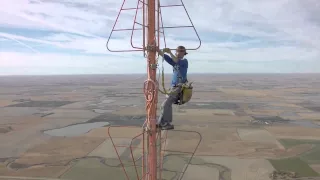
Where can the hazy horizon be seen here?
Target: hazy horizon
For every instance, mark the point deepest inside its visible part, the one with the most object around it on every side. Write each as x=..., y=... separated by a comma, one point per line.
x=167, y=74
x=69, y=37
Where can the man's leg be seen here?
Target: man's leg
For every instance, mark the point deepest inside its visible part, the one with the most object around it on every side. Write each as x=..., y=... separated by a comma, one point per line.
x=165, y=118
x=166, y=110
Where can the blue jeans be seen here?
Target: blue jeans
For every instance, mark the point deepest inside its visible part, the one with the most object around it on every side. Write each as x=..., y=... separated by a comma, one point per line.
x=166, y=106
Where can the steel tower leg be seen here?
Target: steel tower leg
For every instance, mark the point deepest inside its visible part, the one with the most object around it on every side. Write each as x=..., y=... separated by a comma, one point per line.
x=151, y=113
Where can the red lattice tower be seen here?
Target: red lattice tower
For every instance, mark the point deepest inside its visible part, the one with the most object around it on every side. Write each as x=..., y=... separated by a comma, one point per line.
x=151, y=27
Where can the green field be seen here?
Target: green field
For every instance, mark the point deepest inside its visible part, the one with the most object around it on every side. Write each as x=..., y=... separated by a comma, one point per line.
x=288, y=143
x=311, y=157
x=299, y=164
x=294, y=165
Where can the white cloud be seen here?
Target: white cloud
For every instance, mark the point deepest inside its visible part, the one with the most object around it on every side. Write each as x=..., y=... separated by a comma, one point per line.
x=275, y=30
x=56, y=62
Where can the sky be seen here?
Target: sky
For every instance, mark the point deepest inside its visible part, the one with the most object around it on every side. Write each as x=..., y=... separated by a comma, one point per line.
x=45, y=37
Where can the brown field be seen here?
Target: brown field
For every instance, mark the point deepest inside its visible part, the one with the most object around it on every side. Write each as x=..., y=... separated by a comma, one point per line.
x=252, y=126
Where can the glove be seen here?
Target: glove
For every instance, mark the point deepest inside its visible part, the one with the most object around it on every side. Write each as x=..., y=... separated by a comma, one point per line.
x=167, y=50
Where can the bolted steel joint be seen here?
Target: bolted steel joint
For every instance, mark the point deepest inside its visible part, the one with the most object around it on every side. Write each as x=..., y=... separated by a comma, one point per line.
x=151, y=47
x=153, y=66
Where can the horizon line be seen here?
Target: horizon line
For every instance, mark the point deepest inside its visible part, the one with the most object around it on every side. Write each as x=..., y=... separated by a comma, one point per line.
x=124, y=74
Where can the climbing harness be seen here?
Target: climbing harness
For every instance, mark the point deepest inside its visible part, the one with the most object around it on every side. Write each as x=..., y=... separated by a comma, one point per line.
x=185, y=93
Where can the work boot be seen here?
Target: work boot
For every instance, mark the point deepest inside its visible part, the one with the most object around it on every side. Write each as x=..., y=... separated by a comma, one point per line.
x=166, y=126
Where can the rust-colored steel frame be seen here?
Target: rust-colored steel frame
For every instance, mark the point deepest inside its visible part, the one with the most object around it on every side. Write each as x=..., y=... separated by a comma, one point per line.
x=144, y=156
x=145, y=27
x=151, y=92
x=151, y=31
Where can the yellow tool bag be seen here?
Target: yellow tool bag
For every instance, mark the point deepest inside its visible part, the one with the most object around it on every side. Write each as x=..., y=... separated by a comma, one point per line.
x=185, y=94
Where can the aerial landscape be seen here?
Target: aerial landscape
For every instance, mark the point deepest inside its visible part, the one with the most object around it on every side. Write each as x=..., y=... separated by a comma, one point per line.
x=83, y=90
x=253, y=126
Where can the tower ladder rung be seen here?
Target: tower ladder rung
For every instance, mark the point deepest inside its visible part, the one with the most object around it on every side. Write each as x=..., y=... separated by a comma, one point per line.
x=172, y=151
x=141, y=24
x=172, y=5
x=128, y=146
x=144, y=3
x=138, y=29
x=167, y=27
x=124, y=9
x=127, y=29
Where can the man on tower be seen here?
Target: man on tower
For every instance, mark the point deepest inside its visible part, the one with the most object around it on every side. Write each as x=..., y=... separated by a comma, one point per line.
x=179, y=77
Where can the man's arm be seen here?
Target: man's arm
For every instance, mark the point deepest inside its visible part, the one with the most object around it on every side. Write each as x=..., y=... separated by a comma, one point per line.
x=168, y=59
x=174, y=58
